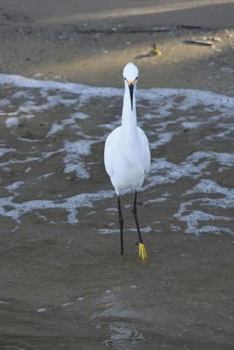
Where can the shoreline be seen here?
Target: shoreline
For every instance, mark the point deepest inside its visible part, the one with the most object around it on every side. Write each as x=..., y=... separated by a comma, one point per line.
x=94, y=52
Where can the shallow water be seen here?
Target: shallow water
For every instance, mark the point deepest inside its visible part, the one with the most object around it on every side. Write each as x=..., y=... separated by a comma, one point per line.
x=53, y=133
x=62, y=281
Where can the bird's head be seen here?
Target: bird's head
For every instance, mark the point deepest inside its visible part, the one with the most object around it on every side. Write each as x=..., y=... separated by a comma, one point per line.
x=130, y=75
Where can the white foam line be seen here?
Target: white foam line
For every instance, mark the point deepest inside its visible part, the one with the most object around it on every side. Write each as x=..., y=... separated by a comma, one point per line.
x=27, y=140
x=11, y=122
x=4, y=151
x=163, y=171
x=15, y=161
x=192, y=125
x=107, y=231
x=225, y=159
x=44, y=155
x=193, y=217
x=193, y=97
x=55, y=129
x=71, y=205
x=210, y=186
x=164, y=138
x=73, y=163
x=71, y=122
x=20, y=81
x=14, y=186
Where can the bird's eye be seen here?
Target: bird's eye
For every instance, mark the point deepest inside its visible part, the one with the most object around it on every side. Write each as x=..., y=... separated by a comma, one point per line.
x=125, y=78
x=136, y=79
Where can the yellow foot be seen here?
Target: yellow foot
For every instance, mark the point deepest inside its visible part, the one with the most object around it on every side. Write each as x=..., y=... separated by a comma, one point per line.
x=142, y=252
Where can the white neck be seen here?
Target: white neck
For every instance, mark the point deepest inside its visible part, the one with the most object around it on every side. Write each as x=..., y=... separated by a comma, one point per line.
x=129, y=118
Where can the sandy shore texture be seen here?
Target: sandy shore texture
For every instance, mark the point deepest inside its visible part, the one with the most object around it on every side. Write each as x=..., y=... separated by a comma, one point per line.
x=63, y=284
x=89, y=42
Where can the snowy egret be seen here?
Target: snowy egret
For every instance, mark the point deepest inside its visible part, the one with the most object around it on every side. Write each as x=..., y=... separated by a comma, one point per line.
x=127, y=154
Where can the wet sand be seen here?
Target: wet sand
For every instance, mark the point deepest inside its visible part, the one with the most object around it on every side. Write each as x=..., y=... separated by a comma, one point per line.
x=63, y=283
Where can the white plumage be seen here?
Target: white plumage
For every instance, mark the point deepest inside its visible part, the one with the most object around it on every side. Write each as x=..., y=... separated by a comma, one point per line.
x=127, y=153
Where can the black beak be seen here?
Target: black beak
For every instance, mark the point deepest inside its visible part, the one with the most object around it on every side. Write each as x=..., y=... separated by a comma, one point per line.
x=131, y=87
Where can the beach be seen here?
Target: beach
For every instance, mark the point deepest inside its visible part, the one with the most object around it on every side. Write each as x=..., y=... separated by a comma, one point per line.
x=63, y=282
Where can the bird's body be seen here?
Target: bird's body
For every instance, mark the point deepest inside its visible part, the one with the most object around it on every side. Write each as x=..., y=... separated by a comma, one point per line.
x=126, y=153
x=127, y=159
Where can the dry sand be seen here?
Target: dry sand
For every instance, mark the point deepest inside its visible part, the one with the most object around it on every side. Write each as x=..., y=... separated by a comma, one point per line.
x=90, y=42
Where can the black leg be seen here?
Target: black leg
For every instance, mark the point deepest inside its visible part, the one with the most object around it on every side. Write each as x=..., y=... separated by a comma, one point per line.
x=134, y=210
x=121, y=223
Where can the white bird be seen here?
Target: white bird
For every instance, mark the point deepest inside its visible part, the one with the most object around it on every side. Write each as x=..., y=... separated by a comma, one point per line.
x=127, y=154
